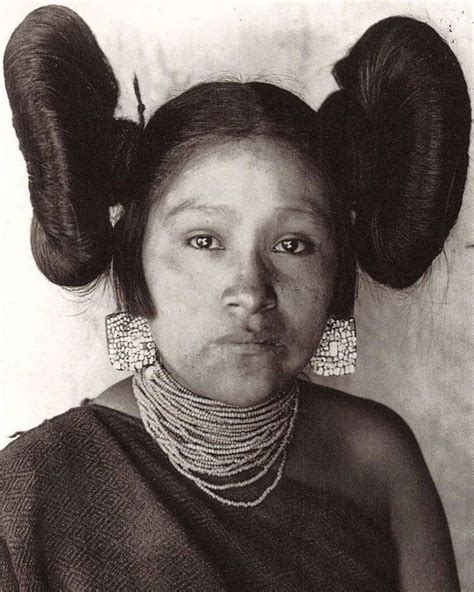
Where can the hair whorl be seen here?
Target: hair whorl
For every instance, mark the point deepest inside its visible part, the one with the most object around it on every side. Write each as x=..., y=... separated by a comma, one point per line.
x=412, y=158
x=63, y=94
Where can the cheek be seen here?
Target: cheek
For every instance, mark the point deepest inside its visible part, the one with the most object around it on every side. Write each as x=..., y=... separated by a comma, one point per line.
x=305, y=308
x=184, y=302
x=174, y=285
x=304, y=299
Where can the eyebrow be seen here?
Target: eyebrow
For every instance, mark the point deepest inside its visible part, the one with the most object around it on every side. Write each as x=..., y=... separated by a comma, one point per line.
x=192, y=205
x=312, y=209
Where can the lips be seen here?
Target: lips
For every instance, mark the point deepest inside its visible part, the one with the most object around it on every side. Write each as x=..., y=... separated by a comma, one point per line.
x=247, y=339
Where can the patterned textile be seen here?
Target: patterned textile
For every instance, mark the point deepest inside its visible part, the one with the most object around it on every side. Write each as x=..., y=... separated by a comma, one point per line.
x=90, y=503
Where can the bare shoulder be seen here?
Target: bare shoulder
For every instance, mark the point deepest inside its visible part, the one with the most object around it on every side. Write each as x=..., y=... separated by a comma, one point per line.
x=119, y=396
x=341, y=406
x=363, y=434
x=367, y=452
x=346, y=444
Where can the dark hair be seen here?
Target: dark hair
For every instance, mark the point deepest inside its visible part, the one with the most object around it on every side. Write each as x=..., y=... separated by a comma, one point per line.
x=205, y=115
x=391, y=146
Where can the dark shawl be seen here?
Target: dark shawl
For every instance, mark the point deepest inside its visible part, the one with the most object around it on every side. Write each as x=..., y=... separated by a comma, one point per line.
x=89, y=502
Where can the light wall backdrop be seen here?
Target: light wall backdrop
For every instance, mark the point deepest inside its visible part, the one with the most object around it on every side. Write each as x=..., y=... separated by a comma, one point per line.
x=415, y=348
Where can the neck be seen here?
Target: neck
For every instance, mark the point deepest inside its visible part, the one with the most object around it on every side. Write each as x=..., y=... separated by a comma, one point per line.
x=206, y=440
x=240, y=393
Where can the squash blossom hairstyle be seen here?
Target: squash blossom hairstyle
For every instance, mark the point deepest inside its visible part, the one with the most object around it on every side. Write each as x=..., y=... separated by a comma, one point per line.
x=390, y=146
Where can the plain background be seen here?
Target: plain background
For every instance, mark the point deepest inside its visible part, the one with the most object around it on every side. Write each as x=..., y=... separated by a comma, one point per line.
x=415, y=348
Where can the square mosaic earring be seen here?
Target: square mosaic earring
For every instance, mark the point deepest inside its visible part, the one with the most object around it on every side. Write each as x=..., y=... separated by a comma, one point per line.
x=129, y=341
x=336, y=354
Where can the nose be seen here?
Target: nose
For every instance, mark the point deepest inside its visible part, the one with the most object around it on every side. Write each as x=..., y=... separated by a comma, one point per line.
x=251, y=289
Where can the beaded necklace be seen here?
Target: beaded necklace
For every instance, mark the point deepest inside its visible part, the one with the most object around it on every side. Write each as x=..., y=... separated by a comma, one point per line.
x=208, y=441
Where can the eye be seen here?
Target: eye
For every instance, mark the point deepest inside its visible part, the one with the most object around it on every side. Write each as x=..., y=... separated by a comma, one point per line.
x=292, y=246
x=204, y=241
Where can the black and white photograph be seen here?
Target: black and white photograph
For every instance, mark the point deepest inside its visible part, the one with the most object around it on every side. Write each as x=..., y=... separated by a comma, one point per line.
x=237, y=296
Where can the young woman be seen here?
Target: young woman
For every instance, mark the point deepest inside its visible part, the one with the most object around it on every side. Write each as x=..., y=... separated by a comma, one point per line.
x=244, y=215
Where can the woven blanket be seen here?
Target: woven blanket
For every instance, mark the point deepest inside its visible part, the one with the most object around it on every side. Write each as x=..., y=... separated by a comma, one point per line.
x=90, y=503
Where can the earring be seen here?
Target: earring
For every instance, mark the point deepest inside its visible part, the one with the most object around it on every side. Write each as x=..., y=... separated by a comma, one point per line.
x=129, y=341
x=336, y=354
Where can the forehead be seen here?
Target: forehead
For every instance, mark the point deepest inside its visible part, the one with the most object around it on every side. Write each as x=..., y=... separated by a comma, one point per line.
x=249, y=175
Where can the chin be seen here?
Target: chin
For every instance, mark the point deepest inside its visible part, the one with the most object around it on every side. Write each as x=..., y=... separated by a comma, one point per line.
x=242, y=384
x=245, y=390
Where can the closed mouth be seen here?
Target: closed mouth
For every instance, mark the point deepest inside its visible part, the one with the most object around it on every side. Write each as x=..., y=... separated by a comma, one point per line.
x=251, y=343
x=252, y=349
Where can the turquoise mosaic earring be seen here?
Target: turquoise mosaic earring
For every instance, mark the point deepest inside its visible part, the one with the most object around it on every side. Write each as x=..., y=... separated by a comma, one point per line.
x=129, y=341
x=336, y=354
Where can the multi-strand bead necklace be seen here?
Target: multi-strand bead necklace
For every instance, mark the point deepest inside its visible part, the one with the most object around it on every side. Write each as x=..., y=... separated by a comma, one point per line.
x=210, y=442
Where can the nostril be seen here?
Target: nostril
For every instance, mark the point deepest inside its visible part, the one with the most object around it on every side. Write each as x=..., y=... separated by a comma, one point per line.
x=250, y=299
x=251, y=289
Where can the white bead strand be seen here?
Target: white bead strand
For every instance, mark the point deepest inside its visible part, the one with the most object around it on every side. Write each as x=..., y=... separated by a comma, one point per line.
x=204, y=439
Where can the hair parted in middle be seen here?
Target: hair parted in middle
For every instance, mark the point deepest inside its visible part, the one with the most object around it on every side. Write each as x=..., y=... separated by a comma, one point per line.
x=390, y=147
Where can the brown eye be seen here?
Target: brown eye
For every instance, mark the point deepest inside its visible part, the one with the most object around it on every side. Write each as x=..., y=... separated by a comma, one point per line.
x=204, y=241
x=290, y=246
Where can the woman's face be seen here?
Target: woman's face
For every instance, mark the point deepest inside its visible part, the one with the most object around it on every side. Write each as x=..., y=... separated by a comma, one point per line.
x=240, y=263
